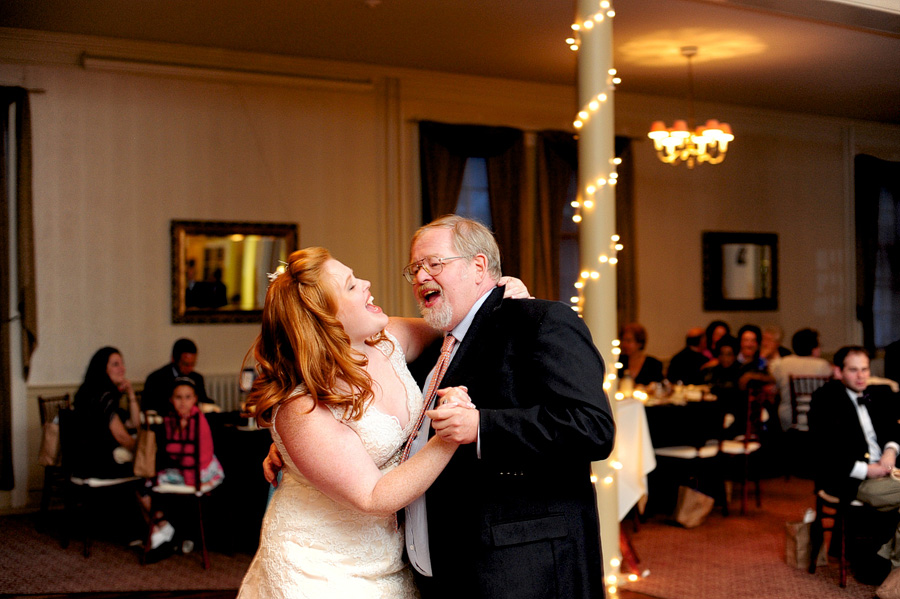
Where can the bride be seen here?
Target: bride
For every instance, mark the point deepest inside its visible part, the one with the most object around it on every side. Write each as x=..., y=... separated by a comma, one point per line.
x=334, y=388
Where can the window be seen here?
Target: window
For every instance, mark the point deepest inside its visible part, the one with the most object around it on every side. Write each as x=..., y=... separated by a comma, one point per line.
x=473, y=201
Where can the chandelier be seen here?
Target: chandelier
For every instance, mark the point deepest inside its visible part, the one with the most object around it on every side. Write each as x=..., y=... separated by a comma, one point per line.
x=682, y=142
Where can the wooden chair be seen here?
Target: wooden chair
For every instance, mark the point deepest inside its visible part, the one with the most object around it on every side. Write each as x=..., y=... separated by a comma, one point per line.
x=84, y=494
x=831, y=515
x=802, y=388
x=697, y=461
x=54, y=474
x=796, y=437
x=748, y=444
x=195, y=492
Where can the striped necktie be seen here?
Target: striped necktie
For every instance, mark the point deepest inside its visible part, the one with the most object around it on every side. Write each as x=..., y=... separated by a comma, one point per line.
x=439, y=371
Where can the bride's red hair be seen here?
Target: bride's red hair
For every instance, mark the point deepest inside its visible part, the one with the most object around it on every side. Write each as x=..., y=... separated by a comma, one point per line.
x=303, y=342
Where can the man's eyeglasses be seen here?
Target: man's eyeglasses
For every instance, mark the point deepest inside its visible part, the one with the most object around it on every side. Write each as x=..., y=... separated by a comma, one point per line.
x=430, y=264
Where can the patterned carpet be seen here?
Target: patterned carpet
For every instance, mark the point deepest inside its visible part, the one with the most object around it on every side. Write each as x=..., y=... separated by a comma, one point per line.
x=724, y=558
x=736, y=557
x=32, y=563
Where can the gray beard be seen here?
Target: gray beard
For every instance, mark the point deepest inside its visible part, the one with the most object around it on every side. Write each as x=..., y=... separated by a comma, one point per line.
x=437, y=318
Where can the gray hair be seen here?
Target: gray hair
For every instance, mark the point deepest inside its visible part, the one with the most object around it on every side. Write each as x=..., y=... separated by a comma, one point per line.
x=470, y=237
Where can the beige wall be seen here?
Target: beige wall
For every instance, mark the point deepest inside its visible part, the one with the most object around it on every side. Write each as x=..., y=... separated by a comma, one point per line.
x=119, y=155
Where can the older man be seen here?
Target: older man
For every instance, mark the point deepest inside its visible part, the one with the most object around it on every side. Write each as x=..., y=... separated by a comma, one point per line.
x=514, y=513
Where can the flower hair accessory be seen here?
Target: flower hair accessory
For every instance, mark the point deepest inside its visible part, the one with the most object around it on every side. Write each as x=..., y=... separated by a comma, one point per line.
x=282, y=266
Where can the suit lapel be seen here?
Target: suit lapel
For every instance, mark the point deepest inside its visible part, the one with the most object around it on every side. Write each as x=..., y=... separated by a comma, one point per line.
x=473, y=345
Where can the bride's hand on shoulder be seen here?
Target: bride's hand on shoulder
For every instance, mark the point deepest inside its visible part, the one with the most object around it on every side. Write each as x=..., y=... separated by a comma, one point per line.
x=514, y=288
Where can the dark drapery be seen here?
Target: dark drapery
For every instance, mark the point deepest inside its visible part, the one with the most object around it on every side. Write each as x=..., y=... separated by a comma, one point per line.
x=626, y=268
x=872, y=177
x=19, y=171
x=557, y=164
x=443, y=151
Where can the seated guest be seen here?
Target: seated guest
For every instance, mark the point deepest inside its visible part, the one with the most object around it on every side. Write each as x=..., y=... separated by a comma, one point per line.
x=715, y=331
x=686, y=365
x=723, y=374
x=856, y=435
x=753, y=366
x=643, y=369
x=158, y=385
x=102, y=424
x=186, y=433
x=770, y=348
x=805, y=361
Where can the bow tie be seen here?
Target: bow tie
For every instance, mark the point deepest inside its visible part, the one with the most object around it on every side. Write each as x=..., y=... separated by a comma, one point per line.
x=864, y=400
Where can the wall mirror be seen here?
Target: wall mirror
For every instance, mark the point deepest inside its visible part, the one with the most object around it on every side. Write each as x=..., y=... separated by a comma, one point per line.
x=219, y=269
x=740, y=271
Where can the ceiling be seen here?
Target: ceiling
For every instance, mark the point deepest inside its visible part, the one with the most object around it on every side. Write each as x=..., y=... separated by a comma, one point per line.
x=826, y=57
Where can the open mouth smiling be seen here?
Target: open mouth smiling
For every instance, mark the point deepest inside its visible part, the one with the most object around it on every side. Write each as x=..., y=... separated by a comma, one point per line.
x=429, y=295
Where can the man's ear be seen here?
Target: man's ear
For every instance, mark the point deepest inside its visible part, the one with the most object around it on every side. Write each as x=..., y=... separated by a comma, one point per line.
x=481, y=269
x=837, y=373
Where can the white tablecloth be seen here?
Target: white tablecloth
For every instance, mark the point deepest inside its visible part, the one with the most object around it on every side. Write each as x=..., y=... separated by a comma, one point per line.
x=634, y=451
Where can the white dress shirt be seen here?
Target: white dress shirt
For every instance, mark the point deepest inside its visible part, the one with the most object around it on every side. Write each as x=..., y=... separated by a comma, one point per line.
x=860, y=469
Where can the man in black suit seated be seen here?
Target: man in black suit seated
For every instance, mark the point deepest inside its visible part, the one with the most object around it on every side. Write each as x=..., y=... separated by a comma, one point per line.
x=514, y=513
x=856, y=436
x=686, y=366
x=158, y=386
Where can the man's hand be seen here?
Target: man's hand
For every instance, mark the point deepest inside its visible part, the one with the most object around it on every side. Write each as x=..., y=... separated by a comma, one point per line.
x=877, y=471
x=889, y=459
x=272, y=465
x=456, y=419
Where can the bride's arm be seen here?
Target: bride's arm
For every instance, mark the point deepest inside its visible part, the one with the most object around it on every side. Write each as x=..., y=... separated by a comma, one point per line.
x=332, y=457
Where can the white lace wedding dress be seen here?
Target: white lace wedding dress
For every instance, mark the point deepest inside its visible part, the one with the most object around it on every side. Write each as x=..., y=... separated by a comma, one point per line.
x=312, y=547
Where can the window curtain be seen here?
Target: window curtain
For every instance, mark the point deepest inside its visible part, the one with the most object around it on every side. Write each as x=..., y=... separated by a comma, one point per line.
x=626, y=268
x=15, y=166
x=872, y=178
x=443, y=151
x=557, y=164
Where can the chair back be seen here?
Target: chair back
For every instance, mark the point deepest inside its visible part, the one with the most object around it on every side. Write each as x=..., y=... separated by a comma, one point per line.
x=69, y=447
x=191, y=449
x=802, y=388
x=758, y=398
x=49, y=407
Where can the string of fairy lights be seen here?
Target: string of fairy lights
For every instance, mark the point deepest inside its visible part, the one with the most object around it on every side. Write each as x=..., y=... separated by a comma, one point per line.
x=589, y=195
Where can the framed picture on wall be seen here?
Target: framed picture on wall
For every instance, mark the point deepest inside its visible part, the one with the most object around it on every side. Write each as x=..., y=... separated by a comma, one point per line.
x=740, y=271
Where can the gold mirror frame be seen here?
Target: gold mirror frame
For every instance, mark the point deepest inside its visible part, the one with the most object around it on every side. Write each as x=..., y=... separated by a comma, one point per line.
x=219, y=269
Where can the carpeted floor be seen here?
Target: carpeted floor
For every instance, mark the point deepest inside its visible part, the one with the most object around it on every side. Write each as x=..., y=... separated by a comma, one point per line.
x=736, y=557
x=724, y=558
x=32, y=563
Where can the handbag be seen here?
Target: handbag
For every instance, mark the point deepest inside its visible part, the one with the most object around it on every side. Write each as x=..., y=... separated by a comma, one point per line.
x=692, y=507
x=145, y=452
x=797, y=546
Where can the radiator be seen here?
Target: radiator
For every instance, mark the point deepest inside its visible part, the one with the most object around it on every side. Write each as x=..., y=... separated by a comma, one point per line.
x=224, y=390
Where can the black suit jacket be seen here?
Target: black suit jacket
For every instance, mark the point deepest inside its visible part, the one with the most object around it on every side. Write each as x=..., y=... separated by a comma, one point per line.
x=838, y=438
x=158, y=389
x=522, y=520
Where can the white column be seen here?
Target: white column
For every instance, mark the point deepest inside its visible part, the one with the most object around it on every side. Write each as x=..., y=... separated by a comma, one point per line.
x=596, y=172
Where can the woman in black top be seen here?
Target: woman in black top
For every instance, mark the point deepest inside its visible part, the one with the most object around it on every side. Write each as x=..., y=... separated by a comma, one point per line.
x=101, y=421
